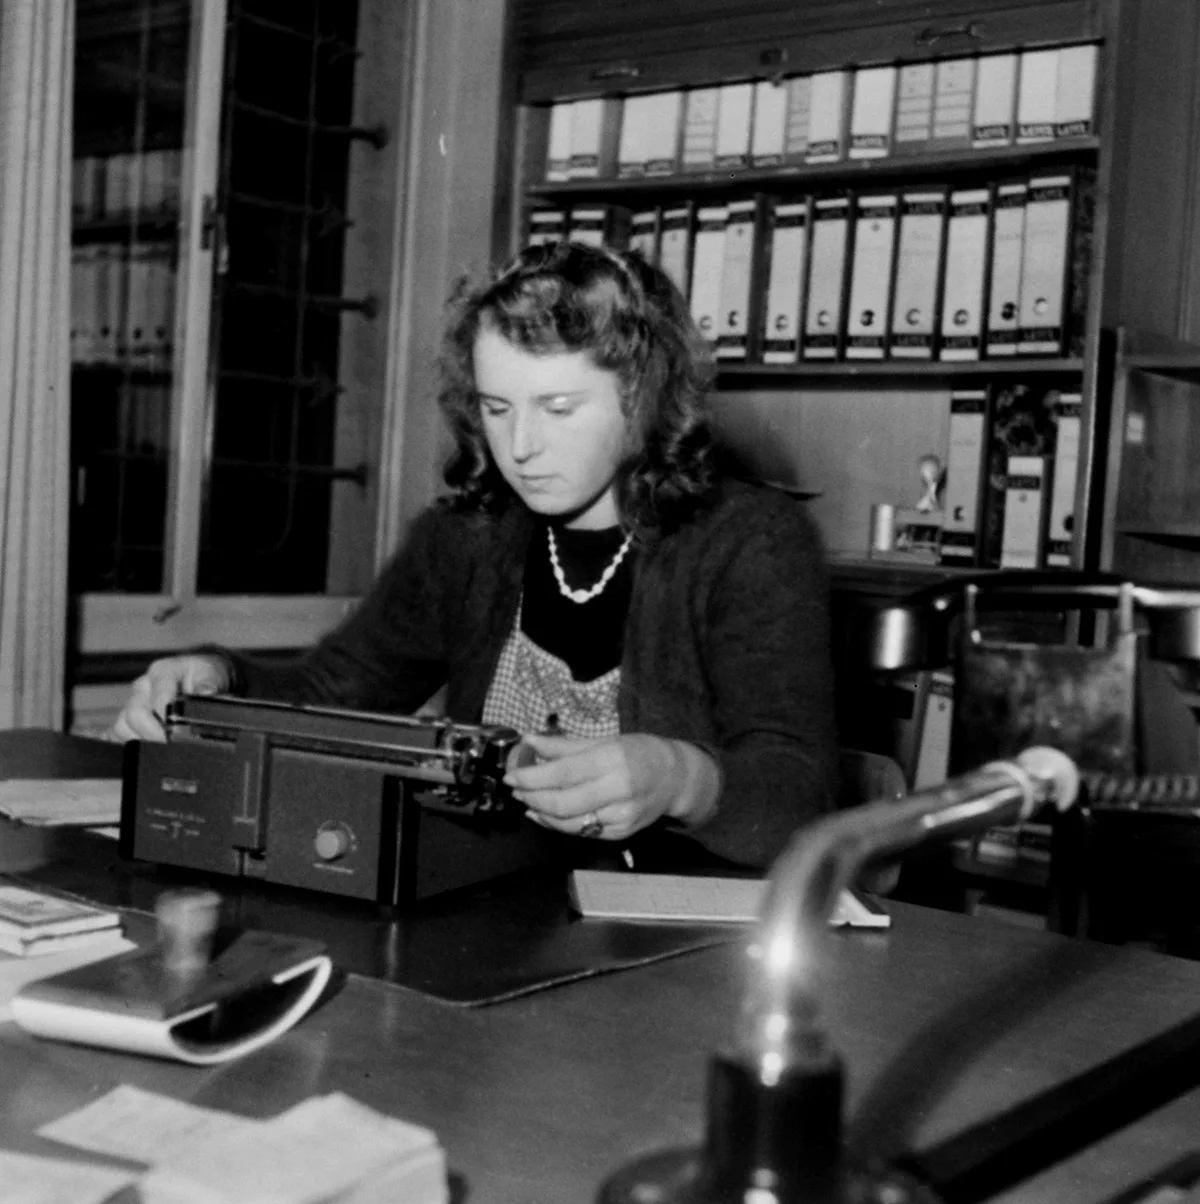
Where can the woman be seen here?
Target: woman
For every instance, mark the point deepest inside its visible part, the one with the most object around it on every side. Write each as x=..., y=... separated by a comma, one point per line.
x=659, y=632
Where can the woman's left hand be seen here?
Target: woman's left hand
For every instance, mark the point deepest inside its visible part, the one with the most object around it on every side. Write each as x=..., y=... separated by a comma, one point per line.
x=612, y=788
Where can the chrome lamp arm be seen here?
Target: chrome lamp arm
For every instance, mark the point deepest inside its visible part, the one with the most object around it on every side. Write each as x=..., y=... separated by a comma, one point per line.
x=774, y=1129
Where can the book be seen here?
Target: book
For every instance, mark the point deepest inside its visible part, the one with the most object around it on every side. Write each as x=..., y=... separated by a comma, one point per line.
x=868, y=312
x=786, y=259
x=558, y=151
x=735, y=110
x=545, y=226
x=768, y=137
x=871, y=113
x=675, y=245
x=953, y=102
x=827, y=117
x=663, y=133
x=914, y=108
x=1004, y=288
x=101, y=941
x=700, y=115
x=1045, y=262
x=739, y=294
x=1037, y=95
x=708, y=259
x=599, y=225
x=966, y=256
x=918, y=273
x=1060, y=527
x=1075, y=91
x=993, y=118
x=1021, y=544
x=595, y=124
x=797, y=118
x=29, y=915
x=643, y=234
x=964, y=476
x=637, y=118
x=678, y=898
x=826, y=278
x=1022, y=424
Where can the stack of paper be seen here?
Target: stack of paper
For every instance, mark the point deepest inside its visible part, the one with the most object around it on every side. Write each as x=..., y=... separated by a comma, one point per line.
x=34, y=923
x=327, y=1148
x=80, y=802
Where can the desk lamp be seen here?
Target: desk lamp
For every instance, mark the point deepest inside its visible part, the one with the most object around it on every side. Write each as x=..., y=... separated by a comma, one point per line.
x=773, y=1132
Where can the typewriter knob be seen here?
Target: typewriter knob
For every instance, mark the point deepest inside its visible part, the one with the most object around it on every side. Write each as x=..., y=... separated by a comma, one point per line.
x=333, y=842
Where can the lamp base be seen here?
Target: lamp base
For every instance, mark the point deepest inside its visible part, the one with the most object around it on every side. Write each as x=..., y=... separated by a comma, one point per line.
x=678, y=1177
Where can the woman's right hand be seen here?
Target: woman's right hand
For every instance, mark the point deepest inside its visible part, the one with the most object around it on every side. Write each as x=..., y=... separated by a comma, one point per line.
x=165, y=679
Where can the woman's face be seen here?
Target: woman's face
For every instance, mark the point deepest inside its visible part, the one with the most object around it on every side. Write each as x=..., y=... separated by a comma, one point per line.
x=554, y=426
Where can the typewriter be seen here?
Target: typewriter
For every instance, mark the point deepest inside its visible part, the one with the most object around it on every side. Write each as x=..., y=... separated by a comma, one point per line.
x=391, y=809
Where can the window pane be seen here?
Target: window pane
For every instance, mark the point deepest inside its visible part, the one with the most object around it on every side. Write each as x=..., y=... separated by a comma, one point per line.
x=131, y=66
x=278, y=307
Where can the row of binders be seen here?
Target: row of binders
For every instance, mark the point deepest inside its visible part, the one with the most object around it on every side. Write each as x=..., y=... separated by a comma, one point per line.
x=122, y=304
x=928, y=272
x=142, y=185
x=1011, y=474
x=870, y=112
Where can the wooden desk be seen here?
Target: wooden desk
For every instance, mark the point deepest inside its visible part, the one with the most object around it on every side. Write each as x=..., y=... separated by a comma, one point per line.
x=943, y=1021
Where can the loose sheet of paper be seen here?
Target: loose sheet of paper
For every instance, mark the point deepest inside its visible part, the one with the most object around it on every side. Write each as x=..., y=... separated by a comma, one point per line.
x=310, y=1153
x=139, y=1125
x=612, y=894
x=29, y=1179
x=59, y=802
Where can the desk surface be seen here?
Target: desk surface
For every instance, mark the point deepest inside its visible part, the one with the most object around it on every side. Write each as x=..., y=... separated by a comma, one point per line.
x=943, y=1021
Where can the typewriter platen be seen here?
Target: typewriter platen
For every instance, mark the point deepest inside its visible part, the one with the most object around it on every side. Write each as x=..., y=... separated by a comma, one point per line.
x=378, y=807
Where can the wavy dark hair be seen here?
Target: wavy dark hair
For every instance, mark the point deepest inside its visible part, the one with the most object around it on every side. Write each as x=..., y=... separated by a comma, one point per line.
x=629, y=316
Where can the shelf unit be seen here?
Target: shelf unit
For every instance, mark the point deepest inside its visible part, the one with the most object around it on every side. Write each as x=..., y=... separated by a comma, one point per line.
x=1151, y=523
x=852, y=433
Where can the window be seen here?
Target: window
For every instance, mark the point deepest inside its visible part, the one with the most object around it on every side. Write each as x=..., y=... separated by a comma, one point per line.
x=224, y=470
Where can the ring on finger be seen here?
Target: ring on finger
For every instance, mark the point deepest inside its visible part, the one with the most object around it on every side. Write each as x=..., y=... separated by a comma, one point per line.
x=593, y=826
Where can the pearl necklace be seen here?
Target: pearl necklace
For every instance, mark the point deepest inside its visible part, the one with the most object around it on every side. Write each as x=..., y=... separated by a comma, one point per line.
x=584, y=595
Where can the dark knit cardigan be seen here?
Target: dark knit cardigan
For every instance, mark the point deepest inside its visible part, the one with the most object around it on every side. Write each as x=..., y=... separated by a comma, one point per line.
x=726, y=646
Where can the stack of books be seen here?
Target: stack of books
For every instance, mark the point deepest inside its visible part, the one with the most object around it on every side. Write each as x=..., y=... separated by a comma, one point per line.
x=33, y=923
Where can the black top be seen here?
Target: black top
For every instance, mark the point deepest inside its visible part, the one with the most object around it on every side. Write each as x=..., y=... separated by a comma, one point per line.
x=588, y=636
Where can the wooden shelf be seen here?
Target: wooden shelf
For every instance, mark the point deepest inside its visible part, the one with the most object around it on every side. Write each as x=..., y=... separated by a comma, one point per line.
x=1182, y=533
x=163, y=228
x=1178, y=367
x=787, y=374
x=851, y=173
